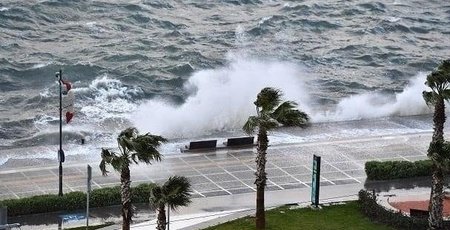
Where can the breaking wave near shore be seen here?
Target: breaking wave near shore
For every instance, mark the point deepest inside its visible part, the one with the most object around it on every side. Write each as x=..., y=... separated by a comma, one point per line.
x=222, y=99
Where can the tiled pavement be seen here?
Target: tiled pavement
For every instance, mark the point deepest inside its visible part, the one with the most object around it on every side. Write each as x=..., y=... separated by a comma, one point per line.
x=227, y=172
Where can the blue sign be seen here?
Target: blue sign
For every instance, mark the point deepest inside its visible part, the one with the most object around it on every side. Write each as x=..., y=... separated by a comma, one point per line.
x=72, y=217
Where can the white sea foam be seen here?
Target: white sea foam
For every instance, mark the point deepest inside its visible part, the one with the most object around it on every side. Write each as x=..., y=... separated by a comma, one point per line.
x=41, y=65
x=110, y=98
x=264, y=19
x=41, y=121
x=221, y=99
x=371, y=105
x=394, y=19
x=3, y=9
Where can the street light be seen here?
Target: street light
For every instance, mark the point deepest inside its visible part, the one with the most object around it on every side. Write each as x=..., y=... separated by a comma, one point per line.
x=60, y=151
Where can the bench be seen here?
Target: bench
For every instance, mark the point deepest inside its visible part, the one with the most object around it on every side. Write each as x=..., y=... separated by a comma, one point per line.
x=202, y=145
x=417, y=213
x=240, y=141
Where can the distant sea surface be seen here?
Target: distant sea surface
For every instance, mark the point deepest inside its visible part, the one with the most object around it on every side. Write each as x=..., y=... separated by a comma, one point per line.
x=192, y=68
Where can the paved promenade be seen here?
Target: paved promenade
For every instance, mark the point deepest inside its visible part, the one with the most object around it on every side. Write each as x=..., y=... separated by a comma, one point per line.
x=228, y=172
x=223, y=180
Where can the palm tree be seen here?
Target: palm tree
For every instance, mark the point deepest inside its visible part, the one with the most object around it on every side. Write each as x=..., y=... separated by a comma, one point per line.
x=174, y=193
x=271, y=113
x=134, y=148
x=438, y=81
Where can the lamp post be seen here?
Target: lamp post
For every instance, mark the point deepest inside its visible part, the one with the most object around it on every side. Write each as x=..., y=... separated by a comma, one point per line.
x=60, y=151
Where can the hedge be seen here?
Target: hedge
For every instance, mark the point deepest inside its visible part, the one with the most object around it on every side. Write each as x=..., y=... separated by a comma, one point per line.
x=387, y=170
x=375, y=212
x=73, y=200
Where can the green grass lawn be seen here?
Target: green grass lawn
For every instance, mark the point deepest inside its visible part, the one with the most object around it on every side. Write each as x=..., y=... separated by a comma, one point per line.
x=345, y=216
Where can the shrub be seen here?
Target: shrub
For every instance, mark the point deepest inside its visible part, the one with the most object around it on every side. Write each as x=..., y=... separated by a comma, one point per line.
x=141, y=193
x=375, y=212
x=73, y=200
x=386, y=170
x=44, y=203
x=105, y=197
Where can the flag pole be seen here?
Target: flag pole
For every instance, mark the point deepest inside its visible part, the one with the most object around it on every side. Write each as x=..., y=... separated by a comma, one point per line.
x=60, y=151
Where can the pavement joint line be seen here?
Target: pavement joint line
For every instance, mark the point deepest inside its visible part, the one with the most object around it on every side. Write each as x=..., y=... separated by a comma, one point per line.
x=301, y=182
x=281, y=188
x=404, y=158
x=210, y=179
x=234, y=176
x=39, y=188
x=195, y=191
x=70, y=188
x=26, y=177
x=243, y=163
x=13, y=193
x=95, y=183
x=342, y=171
x=322, y=176
x=343, y=155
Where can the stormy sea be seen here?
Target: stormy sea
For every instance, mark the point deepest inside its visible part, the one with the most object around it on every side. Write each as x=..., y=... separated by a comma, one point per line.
x=191, y=69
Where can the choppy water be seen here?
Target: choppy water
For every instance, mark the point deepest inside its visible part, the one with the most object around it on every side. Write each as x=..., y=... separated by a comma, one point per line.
x=186, y=68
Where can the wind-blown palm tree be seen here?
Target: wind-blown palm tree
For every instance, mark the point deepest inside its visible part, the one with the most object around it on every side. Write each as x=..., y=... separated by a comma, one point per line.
x=439, y=82
x=271, y=113
x=174, y=193
x=134, y=148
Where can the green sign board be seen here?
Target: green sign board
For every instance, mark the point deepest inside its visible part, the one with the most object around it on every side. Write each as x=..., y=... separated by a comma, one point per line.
x=315, y=185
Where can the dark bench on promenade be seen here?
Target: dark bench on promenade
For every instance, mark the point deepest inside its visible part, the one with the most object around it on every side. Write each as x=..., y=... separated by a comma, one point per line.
x=417, y=213
x=201, y=145
x=240, y=141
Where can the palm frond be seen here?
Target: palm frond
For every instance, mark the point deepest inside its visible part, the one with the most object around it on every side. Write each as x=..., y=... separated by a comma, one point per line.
x=439, y=79
x=157, y=197
x=129, y=133
x=178, y=191
x=268, y=99
x=429, y=97
x=102, y=167
x=119, y=162
x=126, y=144
x=446, y=94
x=287, y=114
x=107, y=157
x=154, y=140
x=267, y=122
x=145, y=148
x=251, y=125
x=150, y=154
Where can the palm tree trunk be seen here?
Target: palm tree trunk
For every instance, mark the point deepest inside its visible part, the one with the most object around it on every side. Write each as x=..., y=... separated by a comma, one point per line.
x=435, y=219
x=261, y=178
x=161, y=222
x=127, y=211
x=438, y=120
